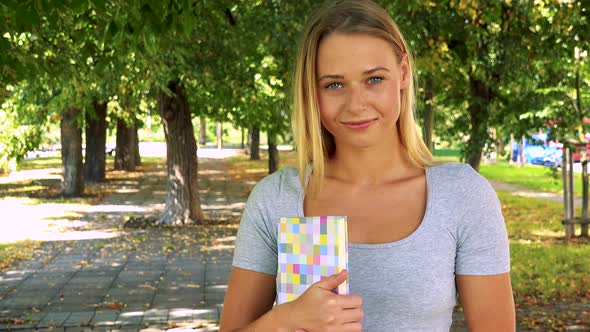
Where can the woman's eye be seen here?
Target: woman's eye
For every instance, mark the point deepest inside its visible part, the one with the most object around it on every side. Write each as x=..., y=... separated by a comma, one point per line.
x=375, y=79
x=333, y=86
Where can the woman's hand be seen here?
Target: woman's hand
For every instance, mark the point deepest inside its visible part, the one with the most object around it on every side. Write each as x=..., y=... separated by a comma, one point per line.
x=319, y=309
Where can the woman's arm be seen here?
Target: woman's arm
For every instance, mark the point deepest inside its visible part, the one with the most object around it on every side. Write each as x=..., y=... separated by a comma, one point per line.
x=487, y=302
x=248, y=303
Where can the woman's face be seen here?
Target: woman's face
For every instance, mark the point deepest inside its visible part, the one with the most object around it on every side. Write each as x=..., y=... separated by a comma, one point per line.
x=359, y=87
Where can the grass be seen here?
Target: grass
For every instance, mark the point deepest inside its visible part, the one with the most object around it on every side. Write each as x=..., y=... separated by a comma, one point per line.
x=535, y=177
x=14, y=251
x=545, y=267
x=55, y=162
x=40, y=163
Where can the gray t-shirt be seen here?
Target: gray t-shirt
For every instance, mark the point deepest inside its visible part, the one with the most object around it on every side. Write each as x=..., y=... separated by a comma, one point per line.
x=406, y=285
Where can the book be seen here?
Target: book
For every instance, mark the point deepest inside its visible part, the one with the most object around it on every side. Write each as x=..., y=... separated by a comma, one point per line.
x=310, y=249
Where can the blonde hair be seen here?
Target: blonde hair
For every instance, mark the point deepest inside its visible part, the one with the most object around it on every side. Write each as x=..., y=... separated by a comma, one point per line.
x=313, y=141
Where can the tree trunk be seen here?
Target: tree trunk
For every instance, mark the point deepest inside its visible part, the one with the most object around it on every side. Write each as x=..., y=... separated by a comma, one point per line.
x=219, y=135
x=255, y=144
x=203, y=131
x=96, y=136
x=429, y=114
x=125, y=149
x=273, y=154
x=136, y=146
x=183, y=205
x=243, y=139
x=248, y=141
x=501, y=146
x=478, y=112
x=71, y=155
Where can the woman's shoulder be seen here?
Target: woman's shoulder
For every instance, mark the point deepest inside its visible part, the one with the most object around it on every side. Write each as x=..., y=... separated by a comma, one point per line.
x=450, y=169
x=460, y=176
x=282, y=182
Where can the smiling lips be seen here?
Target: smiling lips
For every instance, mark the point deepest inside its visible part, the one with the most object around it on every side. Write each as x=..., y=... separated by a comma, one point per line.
x=362, y=124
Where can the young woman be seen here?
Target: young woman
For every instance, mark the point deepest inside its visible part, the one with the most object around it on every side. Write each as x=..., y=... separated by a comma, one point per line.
x=419, y=232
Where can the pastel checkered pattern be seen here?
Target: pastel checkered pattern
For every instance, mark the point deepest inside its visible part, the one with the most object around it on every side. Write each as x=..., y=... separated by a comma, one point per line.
x=310, y=249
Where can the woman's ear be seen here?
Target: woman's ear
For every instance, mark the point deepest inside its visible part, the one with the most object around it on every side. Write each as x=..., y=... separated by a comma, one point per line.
x=404, y=68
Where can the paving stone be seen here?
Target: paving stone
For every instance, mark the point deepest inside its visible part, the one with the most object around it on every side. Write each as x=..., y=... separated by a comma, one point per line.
x=155, y=316
x=153, y=328
x=61, y=307
x=127, y=328
x=16, y=327
x=8, y=312
x=105, y=318
x=118, y=289
x=33, y=317
x=103, y=328
x=99, y=272
x=212, y=314
x=77, y=329
x=79, y=318
x=54, y=319
x=33, y=297
x=130, y=318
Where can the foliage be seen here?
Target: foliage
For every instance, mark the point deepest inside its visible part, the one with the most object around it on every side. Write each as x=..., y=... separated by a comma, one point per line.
x=496, y=64
x=22, y=126
x=236, y=58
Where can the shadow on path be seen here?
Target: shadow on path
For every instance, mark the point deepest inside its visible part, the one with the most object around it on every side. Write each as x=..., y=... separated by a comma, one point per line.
x=96, y=274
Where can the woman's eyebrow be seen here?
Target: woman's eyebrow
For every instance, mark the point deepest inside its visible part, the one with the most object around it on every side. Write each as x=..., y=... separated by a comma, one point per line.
x=339, y=77
x=371, y=71
x=330, y=77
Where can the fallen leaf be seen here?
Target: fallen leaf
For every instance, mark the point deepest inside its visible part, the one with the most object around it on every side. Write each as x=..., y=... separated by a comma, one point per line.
x=12, y=321
x=114, y=305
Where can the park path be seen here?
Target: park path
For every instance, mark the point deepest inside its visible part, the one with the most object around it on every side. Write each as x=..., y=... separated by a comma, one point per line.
x=525, y=192
x=130, y=279
x=110, y=278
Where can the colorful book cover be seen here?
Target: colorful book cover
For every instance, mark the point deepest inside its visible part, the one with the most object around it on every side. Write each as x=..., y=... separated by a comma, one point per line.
x=310, y=249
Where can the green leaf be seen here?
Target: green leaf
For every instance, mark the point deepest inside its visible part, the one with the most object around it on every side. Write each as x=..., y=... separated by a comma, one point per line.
x=79, y=6
x=27, y=18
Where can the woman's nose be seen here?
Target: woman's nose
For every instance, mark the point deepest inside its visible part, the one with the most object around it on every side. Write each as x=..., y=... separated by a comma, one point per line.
x=357, y=101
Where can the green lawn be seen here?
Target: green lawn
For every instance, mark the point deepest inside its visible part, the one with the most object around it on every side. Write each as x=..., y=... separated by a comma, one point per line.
x=40, y=163
x=535, y=177
x=545, y=267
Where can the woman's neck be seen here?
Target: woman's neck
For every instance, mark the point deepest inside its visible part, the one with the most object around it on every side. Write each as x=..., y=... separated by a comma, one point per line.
x=370, y=166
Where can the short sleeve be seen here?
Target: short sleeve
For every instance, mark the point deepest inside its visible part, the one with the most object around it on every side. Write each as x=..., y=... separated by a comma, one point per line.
x=482, y=240
x=256, y=247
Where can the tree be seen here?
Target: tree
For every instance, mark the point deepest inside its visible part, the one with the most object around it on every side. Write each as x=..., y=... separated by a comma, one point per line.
x=255, y=143
x=96, y=134
x=71, y=154
x=66, y=58
x=273, y=154
x=480, y=46
x=182, y=202
x=126, y=148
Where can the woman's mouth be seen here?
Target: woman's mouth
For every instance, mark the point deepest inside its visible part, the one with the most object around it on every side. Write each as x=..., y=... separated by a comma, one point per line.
x=361, y=124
